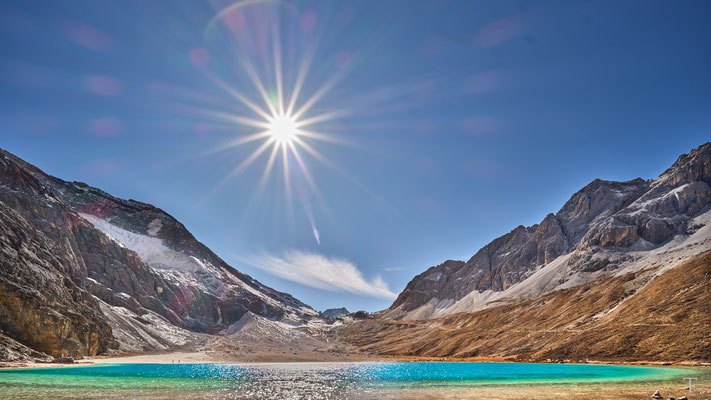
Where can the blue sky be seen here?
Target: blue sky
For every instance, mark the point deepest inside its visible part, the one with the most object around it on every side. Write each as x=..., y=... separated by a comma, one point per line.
x=452, y=121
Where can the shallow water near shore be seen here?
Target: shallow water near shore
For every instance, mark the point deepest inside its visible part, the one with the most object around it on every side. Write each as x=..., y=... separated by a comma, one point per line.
x=304, y=380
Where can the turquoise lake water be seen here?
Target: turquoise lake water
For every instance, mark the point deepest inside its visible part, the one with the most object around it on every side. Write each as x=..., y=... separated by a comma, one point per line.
x=299, y=380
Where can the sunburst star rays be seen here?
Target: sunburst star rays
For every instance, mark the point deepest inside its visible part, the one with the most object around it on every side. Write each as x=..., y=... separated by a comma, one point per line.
x=277, y=115
x=277, y=131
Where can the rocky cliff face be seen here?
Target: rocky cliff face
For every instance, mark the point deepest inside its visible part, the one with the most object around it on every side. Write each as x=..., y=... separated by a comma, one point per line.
x=40, y=304
x=603, y=228
x=335, y=312
x=645, y=314
x=83, y=272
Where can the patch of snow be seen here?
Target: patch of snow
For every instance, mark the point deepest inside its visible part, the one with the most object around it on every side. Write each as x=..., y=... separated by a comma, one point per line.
x=154, y=227
x=189, y=271
x=151, y=250
x=435, y=276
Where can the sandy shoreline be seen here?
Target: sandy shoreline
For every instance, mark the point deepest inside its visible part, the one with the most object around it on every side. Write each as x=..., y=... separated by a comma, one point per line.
x=187, y=357
x=191, y=357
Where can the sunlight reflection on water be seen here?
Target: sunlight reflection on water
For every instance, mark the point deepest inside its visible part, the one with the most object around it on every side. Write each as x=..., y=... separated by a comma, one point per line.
x=295, y=380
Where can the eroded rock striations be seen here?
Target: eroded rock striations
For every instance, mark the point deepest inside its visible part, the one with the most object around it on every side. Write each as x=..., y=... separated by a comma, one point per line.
x=83, y=272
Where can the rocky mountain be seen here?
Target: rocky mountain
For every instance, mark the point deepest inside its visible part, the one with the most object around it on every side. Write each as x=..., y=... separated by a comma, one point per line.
x=335, y=312
x=648, y=314
x=621, y=272
x=83, y=273
x=605, y=229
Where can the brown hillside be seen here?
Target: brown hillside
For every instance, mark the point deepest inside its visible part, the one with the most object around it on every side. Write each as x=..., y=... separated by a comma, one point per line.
x=635, y=316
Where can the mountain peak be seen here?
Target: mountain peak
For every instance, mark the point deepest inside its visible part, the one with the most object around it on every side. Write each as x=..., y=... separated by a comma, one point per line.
x=596, y=230
x=138, y=269
x=690, y=167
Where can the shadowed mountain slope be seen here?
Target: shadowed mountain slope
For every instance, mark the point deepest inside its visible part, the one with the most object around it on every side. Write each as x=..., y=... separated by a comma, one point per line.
x=83, y=272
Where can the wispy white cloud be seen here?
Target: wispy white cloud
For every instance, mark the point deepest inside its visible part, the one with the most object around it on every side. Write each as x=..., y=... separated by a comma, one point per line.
x=321, y=272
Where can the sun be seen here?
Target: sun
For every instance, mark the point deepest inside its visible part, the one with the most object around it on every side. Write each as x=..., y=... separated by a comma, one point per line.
x=282, y=118
x=282, y=128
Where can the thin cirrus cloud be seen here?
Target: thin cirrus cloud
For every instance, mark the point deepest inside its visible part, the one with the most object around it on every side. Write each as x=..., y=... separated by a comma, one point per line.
x=321, y=272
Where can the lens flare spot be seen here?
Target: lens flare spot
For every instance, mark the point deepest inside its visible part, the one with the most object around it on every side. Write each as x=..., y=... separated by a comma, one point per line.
x=307, y=21
x=199, y=56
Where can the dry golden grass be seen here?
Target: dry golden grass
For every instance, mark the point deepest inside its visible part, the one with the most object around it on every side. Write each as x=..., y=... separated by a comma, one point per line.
x=666, y=318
